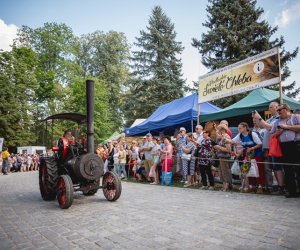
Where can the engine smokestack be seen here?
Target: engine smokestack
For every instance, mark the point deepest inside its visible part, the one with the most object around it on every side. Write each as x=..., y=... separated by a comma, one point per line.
x=90, y=115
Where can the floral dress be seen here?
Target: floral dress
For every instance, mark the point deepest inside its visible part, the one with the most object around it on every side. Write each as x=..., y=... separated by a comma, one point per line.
x=205, y=152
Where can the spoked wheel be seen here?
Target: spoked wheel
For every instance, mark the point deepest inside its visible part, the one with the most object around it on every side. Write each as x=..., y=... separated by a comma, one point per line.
x=92, y=191
x=65, y=191
x=48, y=178
x=111, y=185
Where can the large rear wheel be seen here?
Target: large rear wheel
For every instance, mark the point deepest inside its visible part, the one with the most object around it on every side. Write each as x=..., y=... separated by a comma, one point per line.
x=111, y=185
x=65, y=191
x=48, y=178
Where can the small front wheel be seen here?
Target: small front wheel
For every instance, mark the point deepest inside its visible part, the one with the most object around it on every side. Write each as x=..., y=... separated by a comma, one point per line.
x=65, y=191
x=111, y=185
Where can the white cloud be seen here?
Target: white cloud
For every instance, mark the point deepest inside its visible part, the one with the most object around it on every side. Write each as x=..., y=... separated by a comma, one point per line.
x=8, y=32
x=288, y=15
x=192, y=67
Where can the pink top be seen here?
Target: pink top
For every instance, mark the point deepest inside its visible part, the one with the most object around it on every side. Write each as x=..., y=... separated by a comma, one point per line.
x=169, y=151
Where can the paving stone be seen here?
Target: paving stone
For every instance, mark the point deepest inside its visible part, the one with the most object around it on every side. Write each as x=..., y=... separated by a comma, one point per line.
x=145, y=217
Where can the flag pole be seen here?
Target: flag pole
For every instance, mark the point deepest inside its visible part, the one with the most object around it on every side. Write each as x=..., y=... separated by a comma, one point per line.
x=198, y=115
x=280, y=83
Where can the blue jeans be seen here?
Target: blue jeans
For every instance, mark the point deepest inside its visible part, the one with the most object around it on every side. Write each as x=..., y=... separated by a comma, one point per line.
x=121, y=168
x=5, y=164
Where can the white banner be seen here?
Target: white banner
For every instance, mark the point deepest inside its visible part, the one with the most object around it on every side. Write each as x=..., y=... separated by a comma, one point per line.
x=252, y=73
x=1, y=143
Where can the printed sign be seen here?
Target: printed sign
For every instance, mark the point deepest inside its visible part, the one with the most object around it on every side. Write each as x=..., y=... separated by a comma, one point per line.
x=254, y=72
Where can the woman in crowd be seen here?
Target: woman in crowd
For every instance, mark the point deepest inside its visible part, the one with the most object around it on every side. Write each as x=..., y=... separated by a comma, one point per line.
x=116, y=157
x=204, y=161
x=223, y=149
x=122, y=163
x=134, y=159
x=188, y=149
x=167, y=156
x=156, y=158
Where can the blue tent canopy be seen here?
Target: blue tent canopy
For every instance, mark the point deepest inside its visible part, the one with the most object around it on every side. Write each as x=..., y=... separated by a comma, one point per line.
x=173, y=115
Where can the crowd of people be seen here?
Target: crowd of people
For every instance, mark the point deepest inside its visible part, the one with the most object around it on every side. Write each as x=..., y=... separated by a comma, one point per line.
x=18, y=162
x=199, y=156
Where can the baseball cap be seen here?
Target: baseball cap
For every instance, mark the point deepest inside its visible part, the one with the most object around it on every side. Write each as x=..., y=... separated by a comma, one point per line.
x=149, y=134
x=182, y=129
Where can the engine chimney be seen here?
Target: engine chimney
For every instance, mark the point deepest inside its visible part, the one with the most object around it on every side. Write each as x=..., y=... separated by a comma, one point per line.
x=90, y=115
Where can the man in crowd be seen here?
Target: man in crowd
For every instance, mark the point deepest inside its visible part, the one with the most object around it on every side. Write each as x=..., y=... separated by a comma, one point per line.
x=287, y=127
x=278, y=169
x=5, y=163
x=146, y=148
x=199, y=134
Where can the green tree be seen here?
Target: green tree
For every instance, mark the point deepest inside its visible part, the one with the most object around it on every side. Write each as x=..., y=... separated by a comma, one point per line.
x=157, y=76
x=105, y=56
x=235, y=32
x=18, y=84
x=55, y=46
x=103, y=124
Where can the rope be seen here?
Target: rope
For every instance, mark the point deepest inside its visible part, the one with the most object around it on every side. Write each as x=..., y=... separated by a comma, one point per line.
x=243, y=161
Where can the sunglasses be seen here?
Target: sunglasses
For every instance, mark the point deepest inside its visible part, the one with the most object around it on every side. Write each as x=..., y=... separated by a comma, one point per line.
x=280, y=109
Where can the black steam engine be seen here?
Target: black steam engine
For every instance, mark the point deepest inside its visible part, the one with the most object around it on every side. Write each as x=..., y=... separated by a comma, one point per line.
x=74, y=165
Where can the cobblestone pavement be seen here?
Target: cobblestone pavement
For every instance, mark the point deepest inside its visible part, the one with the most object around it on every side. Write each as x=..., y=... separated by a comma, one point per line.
x=145, y=217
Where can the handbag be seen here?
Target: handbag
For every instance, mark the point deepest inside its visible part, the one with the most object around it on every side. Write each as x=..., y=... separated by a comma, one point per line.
x=186, y=156
x=235, y=168
x=253, y=171
x=274, y=147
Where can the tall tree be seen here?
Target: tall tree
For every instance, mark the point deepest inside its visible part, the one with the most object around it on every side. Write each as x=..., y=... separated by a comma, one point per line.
x=105, y=56
x=235, y=32
x=55, y=46
x=18, y=84
x=157, y=76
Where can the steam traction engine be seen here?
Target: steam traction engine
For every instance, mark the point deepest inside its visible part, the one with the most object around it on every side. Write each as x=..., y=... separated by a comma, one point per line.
x=74, y=167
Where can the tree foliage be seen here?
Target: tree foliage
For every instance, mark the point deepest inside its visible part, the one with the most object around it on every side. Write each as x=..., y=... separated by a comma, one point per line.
x=157, y=77
x=235, y=32
x=55, y=68
x=18, y=85
x=105, y=56
x=103, y=124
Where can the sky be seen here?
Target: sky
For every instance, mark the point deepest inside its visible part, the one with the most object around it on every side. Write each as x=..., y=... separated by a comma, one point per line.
x=132, y=16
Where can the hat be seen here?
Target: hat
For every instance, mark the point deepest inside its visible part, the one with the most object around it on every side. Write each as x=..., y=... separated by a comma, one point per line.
x=199, y=126
x=149, y=134
x=182, y=129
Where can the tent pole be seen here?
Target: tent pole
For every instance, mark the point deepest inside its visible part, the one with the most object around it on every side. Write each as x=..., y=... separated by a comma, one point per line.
x=192, y=123
x=198, y=115
x=280, y=83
